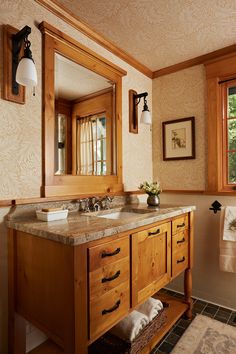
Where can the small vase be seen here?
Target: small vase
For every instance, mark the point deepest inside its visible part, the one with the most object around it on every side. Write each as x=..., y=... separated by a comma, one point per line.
x=153, y=200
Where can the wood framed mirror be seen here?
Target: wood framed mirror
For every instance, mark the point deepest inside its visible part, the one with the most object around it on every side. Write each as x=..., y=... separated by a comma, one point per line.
x=82, y=132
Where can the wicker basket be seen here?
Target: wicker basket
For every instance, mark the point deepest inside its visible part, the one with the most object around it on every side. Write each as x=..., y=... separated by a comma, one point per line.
x=109, y=343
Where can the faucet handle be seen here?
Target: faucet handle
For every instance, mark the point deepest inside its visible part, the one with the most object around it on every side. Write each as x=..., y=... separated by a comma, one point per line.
x=107, y=201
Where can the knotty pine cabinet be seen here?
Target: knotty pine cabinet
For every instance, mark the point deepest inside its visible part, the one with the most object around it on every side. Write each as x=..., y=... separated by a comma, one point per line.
x=74, y=294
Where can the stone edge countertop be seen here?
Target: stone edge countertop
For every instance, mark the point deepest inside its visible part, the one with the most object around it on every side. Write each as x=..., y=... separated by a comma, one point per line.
x=80, y=228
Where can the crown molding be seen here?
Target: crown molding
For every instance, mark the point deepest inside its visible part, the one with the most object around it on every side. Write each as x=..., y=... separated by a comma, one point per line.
x=60, y=11
x=202, y=59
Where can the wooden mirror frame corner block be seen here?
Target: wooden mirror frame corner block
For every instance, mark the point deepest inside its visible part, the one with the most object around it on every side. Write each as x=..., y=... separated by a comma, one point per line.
x=55, y=41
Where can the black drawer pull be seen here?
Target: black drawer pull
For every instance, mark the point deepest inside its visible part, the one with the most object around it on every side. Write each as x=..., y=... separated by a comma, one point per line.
x=105, y=254
x=154, y=233
x=181, y=241
x=181, y=260
x=181, y=225
x=104, y=280
x=115, y=307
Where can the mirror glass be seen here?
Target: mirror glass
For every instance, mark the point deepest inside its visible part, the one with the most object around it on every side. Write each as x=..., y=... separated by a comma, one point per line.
x=85, y=129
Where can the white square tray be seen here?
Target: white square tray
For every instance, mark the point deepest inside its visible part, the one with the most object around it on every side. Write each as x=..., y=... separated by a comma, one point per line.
x=52, y=215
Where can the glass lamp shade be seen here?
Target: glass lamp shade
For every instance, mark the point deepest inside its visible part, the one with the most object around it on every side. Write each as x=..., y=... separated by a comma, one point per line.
x=146, y=117
x=26, y=74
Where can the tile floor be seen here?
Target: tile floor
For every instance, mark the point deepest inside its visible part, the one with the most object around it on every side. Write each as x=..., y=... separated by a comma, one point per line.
x=219, y=313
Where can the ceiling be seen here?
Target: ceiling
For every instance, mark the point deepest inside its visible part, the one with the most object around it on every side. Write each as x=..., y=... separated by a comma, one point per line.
x=73, y=81
x=160, y=33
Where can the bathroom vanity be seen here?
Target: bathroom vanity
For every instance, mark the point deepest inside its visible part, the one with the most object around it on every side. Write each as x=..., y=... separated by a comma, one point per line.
x=74, y=279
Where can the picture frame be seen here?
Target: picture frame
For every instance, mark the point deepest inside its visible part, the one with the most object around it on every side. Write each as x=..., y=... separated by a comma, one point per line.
x=178, y=138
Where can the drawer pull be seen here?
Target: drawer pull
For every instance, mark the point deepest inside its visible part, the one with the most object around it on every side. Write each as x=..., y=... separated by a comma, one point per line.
x=154, y=233
x=181, y=260
x=181, y=241
x=113, y=277
x=105, y=254
x=115, y=307
x=181, y=225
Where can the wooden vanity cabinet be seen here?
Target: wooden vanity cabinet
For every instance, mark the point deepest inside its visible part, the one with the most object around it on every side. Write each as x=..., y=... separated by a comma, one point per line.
x=75, y=294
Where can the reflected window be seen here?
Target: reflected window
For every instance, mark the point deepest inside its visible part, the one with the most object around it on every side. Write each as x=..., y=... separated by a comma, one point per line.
x=91, y=145
x=230, y=123
x=60, y=141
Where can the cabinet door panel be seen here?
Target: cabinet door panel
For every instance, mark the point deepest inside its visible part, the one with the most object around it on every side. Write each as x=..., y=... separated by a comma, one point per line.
x=152, y=252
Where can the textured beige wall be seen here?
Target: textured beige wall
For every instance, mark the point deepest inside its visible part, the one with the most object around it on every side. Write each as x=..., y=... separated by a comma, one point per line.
x=178, y=95
x=20, y=134
x=209, y=283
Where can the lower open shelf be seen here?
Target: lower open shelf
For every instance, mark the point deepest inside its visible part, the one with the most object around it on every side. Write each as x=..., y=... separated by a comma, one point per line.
x=47, y=347
x=175, y=310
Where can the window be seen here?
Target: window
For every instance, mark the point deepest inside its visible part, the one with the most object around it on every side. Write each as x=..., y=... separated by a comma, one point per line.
x=221, y=124
x=91, y=145
x=229, y=132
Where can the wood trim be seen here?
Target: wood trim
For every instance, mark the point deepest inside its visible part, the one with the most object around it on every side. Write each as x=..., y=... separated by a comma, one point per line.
x=202, y=59
x=6, y=203
x=60, y=11
x=85, y=52
x=7, y=94
x=217, y=70
x=92, y=95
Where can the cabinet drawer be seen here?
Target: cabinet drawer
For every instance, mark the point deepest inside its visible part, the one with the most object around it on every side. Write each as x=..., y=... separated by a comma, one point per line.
x=107, y=253
x=152, y=232
x=180, y=223
x=179, y=261
x=108, y=309
x=108, y=277
x=179, y=241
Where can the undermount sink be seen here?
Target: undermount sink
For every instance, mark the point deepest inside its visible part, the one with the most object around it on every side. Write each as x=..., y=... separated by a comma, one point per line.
x=120, y=213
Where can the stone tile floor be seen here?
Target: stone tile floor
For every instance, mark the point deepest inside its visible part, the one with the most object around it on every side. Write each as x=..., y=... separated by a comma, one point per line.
x=219, y=313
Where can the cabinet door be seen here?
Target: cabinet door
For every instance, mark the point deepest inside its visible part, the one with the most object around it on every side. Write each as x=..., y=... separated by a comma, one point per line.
x=151, y=261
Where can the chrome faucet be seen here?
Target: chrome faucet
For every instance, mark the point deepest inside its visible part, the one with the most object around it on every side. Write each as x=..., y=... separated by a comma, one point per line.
x=94, y=203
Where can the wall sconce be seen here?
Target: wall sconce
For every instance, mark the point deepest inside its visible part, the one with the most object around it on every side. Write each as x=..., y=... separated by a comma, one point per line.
x=17, y=73
x=134, y=100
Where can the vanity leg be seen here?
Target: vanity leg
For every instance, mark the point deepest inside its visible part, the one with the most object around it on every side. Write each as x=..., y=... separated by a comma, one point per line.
x=16, y=323
x=188, y=291
x=17, y=335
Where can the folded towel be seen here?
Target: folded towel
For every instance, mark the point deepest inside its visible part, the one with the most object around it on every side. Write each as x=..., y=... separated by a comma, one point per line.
x=130, y=326
x=229, y=217
x=227, y=257
x=150, y=308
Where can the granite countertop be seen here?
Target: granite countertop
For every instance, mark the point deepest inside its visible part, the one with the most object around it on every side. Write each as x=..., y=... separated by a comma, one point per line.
x=80, y=228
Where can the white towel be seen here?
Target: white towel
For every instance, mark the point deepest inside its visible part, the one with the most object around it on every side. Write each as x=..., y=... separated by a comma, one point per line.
x=150, y=308
x=227, y=258
x=229, y=231
x=130, y=326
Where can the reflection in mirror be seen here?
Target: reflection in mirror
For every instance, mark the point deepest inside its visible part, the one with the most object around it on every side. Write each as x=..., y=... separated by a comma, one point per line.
x=84, y=121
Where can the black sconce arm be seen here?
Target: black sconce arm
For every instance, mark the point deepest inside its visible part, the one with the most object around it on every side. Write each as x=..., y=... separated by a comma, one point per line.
x=17, y=40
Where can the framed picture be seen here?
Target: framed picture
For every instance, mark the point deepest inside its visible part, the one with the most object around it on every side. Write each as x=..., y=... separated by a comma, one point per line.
x=179, y=139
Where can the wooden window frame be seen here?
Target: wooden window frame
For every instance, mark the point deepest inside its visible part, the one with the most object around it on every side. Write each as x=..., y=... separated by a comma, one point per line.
x=55, y=41
x=221, y=69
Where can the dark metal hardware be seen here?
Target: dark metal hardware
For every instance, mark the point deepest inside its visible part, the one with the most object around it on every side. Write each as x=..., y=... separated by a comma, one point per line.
x=216, y=206
x=181, y=260
x=181, y=225
x=154, y=233
x=17, y=40
x=105, y=254
x=115, y=307
x=181, y=241
x=113, y=277
x=61, y=145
